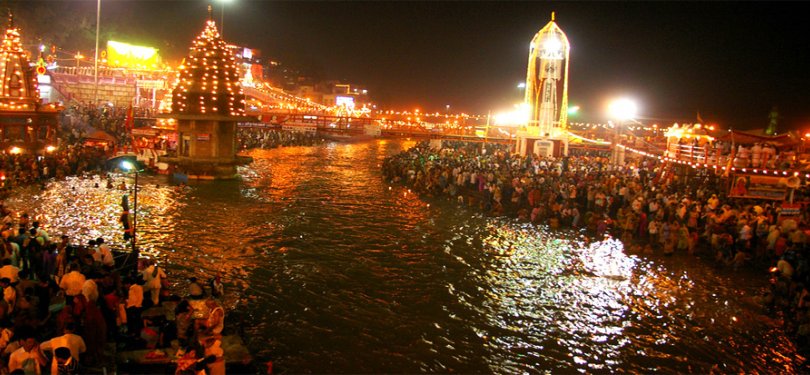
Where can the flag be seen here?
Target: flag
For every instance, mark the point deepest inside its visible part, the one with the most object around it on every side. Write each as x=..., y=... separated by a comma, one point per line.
x=130, y=122
x=731, y=156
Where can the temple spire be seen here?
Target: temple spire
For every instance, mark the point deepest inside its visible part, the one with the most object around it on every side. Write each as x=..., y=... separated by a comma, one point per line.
x=210, y=13
x=552, y=16
x=10, y=19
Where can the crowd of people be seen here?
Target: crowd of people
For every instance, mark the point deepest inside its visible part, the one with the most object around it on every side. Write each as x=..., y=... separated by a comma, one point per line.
x=78, y=120
x=62, y=303
x=26, y=169
x=258, y=137
x=652, y=206
x=759, y=155
x=76, y=157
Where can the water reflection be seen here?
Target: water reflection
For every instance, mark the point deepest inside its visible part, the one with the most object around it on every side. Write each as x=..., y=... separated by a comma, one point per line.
x=340, y=271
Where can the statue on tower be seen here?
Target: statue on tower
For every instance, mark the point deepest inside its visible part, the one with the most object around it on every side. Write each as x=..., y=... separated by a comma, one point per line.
x=546, y=94
x=773, y=121
x=547, y=78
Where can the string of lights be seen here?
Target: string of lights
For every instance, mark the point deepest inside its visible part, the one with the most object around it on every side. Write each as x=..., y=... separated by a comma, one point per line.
x=208, y=80
x=587, y=139
x=693, y=164
x=18, y=93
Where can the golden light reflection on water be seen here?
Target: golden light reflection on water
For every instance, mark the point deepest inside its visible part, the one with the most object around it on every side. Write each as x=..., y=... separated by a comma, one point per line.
x=536, y=288
x=84, y=209
x=561, y=304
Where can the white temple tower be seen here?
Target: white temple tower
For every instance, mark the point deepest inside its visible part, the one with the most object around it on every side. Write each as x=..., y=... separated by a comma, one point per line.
x=546, y=94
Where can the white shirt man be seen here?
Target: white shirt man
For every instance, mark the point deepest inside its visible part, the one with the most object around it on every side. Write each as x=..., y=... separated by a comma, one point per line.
x=69, y=340
x=72, y=282
x=135, y=296
x=9, y=294
x=106, y=255
x=11, y=272
x=41, y=233
x=153, y=276
x=28, y=358
x=102, y=253
x=90, y=291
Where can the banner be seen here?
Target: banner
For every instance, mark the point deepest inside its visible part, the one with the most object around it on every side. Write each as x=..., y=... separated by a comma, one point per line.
x=757, y=187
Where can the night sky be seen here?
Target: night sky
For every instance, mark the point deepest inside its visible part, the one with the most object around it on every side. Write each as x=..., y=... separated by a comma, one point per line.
x=732, y=62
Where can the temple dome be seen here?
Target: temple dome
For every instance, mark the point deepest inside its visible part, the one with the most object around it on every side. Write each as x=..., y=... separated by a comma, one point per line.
x=208, y=81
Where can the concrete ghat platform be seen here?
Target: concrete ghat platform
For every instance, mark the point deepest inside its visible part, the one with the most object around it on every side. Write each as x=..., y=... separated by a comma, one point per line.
x=162, y=360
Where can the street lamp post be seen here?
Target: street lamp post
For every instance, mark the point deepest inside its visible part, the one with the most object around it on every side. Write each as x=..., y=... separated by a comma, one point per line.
x=222, y=18
x=622, y=110
x=95, y=69
x=129, y=166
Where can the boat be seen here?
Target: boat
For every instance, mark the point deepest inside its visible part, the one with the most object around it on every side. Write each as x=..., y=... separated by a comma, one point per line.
x=338, y=128
x=145, y=158
x=344, y=132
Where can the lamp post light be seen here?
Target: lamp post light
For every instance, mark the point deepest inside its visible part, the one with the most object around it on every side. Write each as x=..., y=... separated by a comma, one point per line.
x=131, y=167
x=95, y=65
x=78, y=56
x=222, y=18
x=622, y=109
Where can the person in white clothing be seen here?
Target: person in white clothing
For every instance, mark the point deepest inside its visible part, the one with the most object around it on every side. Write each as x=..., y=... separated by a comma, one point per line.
x=72, y=282
x=134, y=306
x=9, y=293
x=153, y=276
x=28, y=358
x=90, y=291
x=10, y=271
x=105, y=255
x=69, y=340
x=41, y=233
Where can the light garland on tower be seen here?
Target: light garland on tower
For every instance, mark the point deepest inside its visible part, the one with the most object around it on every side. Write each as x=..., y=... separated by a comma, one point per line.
x=18, y=90
x=208, y=82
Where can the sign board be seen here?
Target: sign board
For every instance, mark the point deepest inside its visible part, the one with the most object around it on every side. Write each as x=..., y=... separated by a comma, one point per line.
x=544, y=148
x=757, y=187
x=791, y=209
x=347, y=101
x=156, y=84
x=144, y=131
x=204, y=137
x=131, y=56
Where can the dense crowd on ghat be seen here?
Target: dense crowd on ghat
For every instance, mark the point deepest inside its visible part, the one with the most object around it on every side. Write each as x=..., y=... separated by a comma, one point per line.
x=651, y=207
x=257, y=137
x=75, y=157
x=79, y=119
x=759, y=155
x=63, y=301
x=26, y=169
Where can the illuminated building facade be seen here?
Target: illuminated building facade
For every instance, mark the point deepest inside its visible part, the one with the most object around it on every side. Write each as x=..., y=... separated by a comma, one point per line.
x=26, y=124
x=546, y=94
x=207, y=102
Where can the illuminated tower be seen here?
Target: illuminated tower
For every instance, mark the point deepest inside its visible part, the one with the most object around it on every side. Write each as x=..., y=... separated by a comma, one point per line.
x=207, y=102
x=547, y=93
x=26, y=124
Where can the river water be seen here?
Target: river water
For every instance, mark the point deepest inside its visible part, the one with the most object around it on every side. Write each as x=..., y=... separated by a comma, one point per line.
x=336, y=270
